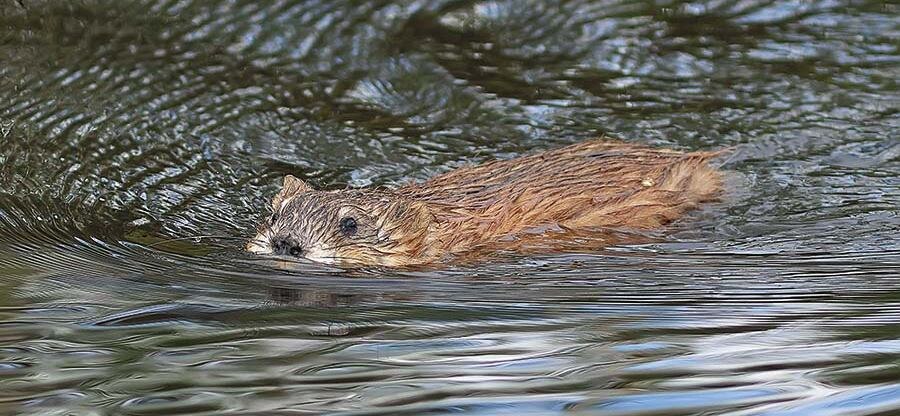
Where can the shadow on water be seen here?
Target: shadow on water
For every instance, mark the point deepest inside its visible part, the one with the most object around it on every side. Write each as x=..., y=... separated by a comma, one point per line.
x=140, y=141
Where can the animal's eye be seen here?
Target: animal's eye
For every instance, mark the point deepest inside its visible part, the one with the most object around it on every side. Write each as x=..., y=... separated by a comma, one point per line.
x=348, y=226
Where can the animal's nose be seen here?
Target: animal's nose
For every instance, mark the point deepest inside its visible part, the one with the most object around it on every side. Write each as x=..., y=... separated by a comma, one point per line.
x=284, y=246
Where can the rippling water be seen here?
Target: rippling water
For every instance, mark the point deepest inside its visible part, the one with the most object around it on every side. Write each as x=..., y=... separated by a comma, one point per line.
x=125, y=124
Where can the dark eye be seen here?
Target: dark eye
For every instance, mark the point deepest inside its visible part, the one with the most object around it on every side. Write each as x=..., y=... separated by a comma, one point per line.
x=348, y=226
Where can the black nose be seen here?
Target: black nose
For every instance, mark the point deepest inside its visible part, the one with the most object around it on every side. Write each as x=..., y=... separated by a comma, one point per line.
x=284, y=247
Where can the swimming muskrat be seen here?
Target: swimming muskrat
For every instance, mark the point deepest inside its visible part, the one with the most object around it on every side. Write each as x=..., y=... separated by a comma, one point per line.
x=588, y=186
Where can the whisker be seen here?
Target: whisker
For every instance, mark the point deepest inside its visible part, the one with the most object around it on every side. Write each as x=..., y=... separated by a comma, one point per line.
x=257, y=243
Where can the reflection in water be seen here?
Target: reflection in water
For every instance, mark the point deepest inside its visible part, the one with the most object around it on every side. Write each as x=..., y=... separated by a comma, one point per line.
x=126, y=124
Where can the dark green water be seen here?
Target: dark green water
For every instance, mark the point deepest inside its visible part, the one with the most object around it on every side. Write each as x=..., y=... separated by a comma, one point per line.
x=125, y=123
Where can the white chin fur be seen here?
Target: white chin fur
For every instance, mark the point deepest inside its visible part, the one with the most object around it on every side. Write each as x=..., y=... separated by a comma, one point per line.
x=319, y=256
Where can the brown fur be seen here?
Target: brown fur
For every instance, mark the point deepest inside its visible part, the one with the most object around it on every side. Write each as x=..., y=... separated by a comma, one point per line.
x=588, y=186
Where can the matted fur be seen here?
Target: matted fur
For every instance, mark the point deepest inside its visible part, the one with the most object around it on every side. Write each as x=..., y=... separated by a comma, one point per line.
x=475, y=210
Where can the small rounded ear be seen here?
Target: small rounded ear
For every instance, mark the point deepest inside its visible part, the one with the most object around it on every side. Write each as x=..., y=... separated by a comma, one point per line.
x=421, y=209
x=416, y=212
x=408, y=212
x=290, y=187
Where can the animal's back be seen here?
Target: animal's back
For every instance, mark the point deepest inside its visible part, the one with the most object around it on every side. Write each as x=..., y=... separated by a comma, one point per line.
x=591, y=184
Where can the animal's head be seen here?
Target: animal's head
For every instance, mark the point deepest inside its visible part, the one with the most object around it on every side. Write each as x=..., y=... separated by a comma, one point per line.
x=348, y=227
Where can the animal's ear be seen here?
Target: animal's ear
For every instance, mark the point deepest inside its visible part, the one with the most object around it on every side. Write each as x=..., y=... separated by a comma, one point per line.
x=290, y=187
x=409, y=212
x=418, y=211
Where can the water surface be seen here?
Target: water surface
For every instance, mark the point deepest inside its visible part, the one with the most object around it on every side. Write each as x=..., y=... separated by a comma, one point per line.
x=125, y=124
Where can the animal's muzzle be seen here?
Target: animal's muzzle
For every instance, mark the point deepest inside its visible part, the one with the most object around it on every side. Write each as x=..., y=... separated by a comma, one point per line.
x=287, y=247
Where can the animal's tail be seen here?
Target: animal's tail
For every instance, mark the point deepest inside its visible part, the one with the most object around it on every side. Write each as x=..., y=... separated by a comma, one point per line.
x=692, y=180
x=661, y=196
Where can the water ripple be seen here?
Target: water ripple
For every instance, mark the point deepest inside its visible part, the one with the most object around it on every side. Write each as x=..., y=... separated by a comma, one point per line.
x=140, y=141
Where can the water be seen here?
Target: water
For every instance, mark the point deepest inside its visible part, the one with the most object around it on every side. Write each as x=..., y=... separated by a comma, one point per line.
x=127, y=123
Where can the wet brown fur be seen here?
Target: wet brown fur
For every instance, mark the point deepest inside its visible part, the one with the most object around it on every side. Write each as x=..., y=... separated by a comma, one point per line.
x=474, y=210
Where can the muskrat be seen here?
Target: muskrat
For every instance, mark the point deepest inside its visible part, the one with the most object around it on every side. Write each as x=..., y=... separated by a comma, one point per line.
x=577, y=189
